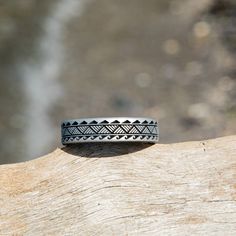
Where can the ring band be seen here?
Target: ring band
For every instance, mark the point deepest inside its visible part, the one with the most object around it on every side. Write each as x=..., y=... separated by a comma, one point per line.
x=110, y=129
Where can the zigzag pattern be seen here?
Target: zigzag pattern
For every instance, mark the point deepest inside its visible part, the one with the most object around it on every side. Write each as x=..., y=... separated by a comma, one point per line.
x=109, y=131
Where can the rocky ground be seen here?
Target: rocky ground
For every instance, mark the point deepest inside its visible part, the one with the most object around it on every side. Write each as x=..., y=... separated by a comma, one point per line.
x=172, y=60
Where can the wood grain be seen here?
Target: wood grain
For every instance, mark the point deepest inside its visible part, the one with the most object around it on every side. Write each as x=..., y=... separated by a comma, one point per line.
x=123, y=189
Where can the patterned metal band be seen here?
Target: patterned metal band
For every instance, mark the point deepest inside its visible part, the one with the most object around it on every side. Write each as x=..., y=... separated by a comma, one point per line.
x=111, y=129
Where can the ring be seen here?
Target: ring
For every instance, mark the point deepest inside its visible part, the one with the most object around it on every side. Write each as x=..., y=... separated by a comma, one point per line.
x=109, y=129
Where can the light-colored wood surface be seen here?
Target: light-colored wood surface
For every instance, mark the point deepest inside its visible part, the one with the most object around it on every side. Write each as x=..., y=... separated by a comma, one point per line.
x=123, y=189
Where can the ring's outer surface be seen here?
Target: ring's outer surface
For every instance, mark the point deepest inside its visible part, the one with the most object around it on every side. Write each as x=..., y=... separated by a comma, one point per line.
x=110, y=129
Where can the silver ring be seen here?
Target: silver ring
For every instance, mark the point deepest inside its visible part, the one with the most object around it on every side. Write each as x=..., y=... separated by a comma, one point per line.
x=109, y=129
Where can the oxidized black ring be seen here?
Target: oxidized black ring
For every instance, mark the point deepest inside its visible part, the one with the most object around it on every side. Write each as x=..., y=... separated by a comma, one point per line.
x=110, y=129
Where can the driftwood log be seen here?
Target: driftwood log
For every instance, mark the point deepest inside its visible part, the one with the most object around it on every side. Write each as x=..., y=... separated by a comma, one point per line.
x=123, y=189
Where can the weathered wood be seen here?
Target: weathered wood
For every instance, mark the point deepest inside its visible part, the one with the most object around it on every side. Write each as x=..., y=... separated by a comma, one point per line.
x=174, y=189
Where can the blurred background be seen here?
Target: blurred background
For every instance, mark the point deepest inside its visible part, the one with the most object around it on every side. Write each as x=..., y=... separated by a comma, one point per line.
x=173, y=60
